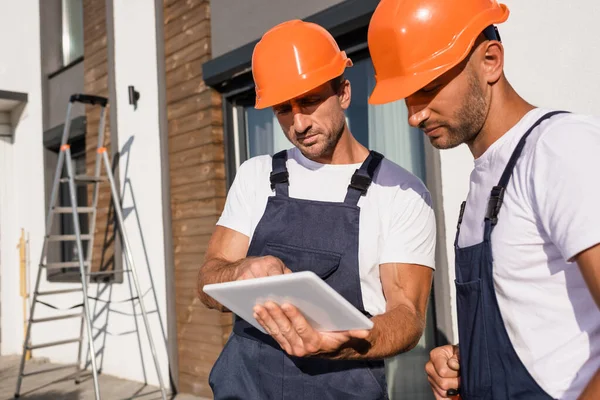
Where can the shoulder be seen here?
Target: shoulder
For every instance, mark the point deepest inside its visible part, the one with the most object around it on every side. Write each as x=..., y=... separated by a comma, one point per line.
x=568, y=137
x=255, y=167
x=399, y=182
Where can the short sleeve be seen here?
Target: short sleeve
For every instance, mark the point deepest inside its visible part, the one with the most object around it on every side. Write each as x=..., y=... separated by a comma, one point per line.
x=412, y=230
x=565, y=184
x=237, y=213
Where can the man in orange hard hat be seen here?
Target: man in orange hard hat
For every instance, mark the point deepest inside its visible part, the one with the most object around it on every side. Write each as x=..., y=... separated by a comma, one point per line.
x=328, y=205
x=528, y=317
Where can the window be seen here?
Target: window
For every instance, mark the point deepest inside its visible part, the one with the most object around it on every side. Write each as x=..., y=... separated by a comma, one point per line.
x=383, y=128
x=72, y=31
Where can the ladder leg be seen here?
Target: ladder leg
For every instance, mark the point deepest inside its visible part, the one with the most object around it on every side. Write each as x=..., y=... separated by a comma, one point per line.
x=131, y=265
x=28, y=334
x=83, y=272
x=49, y=219
x=80, y=350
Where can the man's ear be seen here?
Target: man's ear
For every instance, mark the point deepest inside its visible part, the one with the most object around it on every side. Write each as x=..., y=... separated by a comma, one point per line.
x=493, y=61
x=345, y=94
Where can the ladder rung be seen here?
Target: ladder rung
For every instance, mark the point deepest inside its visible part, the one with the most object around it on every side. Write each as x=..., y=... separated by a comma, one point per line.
x=69, y=264
x=85, y=179
x=62, y=291
x=63, y=238
x=122, y=271
x=57, y=318
x=51, y=369
x=69, y=210
x=50, y=344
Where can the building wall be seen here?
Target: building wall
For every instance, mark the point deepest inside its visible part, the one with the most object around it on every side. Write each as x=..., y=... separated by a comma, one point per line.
x=197, y=183
x=21, y=162
x=135, y=63
x=235, y=23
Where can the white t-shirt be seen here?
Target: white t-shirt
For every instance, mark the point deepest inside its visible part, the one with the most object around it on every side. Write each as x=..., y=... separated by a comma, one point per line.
x=397, y=223
x=551, y=212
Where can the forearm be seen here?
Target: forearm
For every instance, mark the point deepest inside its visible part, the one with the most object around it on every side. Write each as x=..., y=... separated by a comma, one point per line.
x=592, y=389
x=216, y=271
x=396, y=331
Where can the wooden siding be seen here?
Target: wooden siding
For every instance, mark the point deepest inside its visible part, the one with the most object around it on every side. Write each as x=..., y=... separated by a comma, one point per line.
x=197, y=173
x=95, y=63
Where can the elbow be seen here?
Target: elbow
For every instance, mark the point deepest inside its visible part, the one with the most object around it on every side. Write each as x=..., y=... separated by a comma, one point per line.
x=200, y=282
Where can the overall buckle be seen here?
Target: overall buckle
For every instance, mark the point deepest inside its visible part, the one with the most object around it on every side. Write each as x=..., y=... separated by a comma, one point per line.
x=279, y=177
x=494, y=204
x=360, y=182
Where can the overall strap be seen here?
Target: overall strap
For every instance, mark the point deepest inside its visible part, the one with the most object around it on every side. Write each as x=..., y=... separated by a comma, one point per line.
x=497, y=193
x=460, y=218
x=279, y=174
x=362, y=178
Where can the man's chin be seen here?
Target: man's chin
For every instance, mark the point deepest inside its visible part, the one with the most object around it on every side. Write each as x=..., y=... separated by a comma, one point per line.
x=441, y=143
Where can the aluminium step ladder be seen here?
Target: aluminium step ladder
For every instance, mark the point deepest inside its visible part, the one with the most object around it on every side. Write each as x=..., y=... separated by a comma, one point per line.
x=78, y=237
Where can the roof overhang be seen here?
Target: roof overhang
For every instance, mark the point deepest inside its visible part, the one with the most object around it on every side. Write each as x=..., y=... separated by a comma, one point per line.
x=11, y=107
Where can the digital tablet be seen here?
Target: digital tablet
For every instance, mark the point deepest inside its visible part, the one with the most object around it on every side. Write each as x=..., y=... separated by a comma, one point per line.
x=324, y=308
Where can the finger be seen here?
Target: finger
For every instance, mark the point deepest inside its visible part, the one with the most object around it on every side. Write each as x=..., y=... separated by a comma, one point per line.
x=441, y=382
x=311, y=339
x=273, y=265
x=454, y=364
x=260, y=321
x=286, y=270
x=441, y=365
x=246, y=275
x=271, y=326
x=274, y=269
x=287, y=329
x=258, y=270
x=437, y=391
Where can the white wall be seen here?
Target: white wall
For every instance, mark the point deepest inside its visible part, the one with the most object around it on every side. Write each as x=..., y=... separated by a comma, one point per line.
x=140, y=178
x=21, y=163
x=552, y=58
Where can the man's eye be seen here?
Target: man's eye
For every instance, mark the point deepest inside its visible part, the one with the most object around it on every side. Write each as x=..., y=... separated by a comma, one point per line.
x=311, y=101
x=281, y=111
x=431, y=88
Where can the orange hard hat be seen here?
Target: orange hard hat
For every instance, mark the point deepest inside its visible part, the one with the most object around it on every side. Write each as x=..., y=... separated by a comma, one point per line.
x=413, y=42
x=293, y=58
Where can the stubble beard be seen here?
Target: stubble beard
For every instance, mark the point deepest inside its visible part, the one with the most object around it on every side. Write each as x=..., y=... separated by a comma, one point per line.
x=470, y=118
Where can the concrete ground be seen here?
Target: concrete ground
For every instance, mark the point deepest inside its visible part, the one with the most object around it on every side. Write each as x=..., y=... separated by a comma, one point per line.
x=60, y=385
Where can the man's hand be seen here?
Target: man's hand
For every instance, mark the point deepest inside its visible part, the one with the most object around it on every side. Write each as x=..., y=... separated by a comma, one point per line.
x=258, y=267
x=226, y=261
x=443, y=370
x=295, y=335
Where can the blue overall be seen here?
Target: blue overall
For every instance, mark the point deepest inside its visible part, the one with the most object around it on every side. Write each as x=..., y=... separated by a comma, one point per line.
x=306, y=235
x=490, y=367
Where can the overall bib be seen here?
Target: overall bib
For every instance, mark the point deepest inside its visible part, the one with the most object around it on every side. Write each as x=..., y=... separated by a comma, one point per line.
x=490, y=367
x=306, y=235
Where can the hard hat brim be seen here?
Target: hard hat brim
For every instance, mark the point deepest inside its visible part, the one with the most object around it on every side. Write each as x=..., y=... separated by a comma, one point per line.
x=398, y=88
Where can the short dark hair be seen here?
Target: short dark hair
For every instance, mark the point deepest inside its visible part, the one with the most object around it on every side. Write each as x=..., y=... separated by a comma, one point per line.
x=337, y=82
